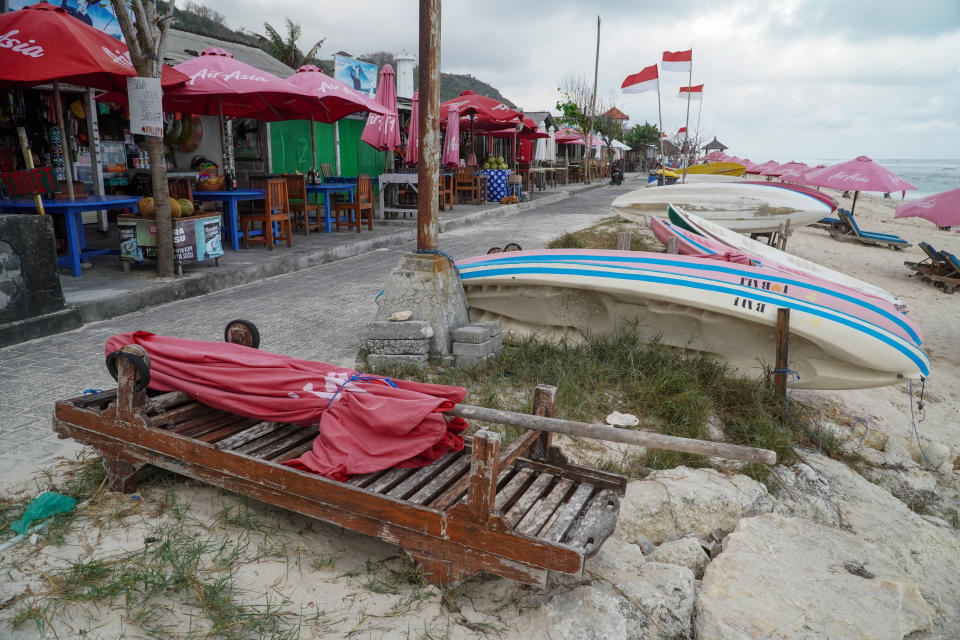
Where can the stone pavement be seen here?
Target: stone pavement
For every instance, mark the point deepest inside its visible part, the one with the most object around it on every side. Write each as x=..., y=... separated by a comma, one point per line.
x=316, y=313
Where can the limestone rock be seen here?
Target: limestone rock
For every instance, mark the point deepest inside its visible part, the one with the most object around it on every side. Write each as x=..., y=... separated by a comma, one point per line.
x=685, y=552
x=788, y=578
x=658, y=605
x=938, y=455
x=400, y=316
x=644, y=543
x=617, y=419
x=806, y=495
x=672, y=503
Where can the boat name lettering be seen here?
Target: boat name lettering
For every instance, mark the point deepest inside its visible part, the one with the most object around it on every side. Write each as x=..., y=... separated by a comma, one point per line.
x=766, y=285
x=747, y=303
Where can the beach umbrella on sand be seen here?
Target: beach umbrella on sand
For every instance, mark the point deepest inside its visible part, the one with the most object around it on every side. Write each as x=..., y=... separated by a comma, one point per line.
x=780, y=171
x=759, y=168
x=859, y=174
x=382, y=132
x=412, y=154
x=942, y=209
x=451, y=144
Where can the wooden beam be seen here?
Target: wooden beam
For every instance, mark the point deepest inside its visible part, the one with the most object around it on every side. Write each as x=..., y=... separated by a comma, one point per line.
x=783, y=349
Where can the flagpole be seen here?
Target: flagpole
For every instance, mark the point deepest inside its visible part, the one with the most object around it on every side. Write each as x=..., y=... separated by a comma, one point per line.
x=662, y=179
x=686, y=142
x=699, y=111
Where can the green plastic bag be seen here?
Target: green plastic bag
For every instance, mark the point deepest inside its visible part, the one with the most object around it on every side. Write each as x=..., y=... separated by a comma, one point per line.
x=43, y=506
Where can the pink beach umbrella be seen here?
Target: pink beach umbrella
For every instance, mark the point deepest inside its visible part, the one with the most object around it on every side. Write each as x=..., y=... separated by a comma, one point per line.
x=942, y=209
x=859, y=174
x=778, y=172
x=382, y=132
x=761, y=167
x=412, y=154
x=336, y=100
x=451, y=146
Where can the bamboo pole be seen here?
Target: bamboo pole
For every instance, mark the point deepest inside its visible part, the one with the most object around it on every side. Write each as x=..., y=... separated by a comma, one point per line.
x=28, y=161
x=593, y=110
x=613, y=434
x=783, y=348
x=686, y=127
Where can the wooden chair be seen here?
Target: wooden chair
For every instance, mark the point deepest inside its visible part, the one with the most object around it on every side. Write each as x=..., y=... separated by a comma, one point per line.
x=446, y=191
x=466, y=182
x=326, y=170
x=276, y=210
x=351, y=214
x=180, y=188
x=300, y=206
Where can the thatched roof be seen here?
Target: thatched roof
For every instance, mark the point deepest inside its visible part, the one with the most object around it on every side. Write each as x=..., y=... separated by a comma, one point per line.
x=715, y=145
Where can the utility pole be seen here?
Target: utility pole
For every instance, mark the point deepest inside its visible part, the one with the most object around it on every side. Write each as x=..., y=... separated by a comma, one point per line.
x=593, y=110
x=429, y=168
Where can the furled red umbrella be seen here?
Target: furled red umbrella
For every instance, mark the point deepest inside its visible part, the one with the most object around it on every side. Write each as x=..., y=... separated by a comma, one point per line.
x=43, y=43
x=382, y=132
x=942, y=209
x=451, y=144
x=335, y=98
x=411, y=154
x=362, y=423
x=859, y=174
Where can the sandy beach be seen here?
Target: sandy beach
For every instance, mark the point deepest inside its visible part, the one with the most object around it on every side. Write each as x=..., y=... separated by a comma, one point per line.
x=309, y=579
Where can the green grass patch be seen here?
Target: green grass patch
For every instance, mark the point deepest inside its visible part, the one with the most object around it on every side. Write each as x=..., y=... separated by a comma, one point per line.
x=603, y=235
x=673, y=389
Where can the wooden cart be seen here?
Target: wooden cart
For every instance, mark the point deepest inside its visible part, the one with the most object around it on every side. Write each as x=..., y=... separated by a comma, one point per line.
x=517, y=511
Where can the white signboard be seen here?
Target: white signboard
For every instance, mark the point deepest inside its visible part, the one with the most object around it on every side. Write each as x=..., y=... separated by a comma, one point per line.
x=146, y=106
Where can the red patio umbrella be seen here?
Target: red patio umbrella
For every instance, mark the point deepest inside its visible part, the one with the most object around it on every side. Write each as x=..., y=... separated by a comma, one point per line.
x=382, y=132
x=411, y=154
x=859, y=174
x=335, y=98
x=43, y=43
x=759, y=168
x=779, y=171
x=493, y=113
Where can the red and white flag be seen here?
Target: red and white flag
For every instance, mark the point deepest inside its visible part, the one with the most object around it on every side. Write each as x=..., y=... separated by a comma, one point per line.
x=695, y=92
x=664, y=136
x=647, y=80
x=682, y=130
x=677, y=60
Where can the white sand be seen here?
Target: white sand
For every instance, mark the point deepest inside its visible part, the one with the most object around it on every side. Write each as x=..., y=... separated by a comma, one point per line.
x=324, y=568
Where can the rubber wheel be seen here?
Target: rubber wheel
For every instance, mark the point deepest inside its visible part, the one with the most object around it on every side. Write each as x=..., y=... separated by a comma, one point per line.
x=140, y=364
x=251, y=331
x=513, y=246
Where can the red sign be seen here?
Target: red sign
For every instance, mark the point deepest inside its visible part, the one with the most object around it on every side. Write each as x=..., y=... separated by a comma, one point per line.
x=29, y=182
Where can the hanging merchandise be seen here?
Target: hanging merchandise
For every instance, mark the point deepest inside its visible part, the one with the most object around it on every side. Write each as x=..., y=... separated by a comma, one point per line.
x=192, y=141
x=56, y=152
x=174, y=125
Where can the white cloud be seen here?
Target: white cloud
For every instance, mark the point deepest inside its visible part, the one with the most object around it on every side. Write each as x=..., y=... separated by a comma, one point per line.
x=783, y=78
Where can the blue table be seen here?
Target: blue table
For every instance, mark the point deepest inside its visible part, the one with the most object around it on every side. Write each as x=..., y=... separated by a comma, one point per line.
x=72, y=212
x=230, y=200
x=326, y=189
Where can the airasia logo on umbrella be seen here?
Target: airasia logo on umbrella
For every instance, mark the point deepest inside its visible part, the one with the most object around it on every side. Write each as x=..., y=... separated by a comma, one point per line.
x=204, y=74
x=26, y=48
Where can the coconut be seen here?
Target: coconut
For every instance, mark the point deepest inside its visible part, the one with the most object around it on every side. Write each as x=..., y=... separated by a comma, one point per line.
x=146, y=207
x=175, y=210
x=186, y=207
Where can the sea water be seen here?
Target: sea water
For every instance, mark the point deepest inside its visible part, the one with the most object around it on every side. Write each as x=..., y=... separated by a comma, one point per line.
x=927, y=175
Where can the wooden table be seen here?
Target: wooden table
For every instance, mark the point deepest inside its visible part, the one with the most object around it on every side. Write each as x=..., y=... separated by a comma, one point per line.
x=77, y=251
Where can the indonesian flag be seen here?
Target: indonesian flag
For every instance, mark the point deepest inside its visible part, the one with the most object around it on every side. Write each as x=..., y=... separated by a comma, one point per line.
x=646, y=80
x=664, y=136
x=695, y=92
x=682, y=130
x=677, y=60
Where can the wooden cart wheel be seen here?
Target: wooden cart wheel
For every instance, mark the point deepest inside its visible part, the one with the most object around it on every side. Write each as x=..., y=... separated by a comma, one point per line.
x=242, y=332
x=513, y=246
x=494, y=250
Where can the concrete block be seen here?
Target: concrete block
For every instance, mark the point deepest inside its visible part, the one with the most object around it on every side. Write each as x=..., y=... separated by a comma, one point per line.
x=476, y=350
x=494, y=327
x=497, y=343
x=448, y=361
x=407, y=330
x=472, y=333
x=466, y=362
x=399, y=347
x=381, y=360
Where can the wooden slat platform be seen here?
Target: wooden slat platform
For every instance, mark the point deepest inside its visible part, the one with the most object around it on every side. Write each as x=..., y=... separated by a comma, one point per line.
x=544, y=514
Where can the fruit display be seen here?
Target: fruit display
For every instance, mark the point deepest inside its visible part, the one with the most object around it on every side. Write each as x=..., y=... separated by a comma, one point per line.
x=175, y=209
x=186, y=207
x=147, y=207
x=510, y=200
x=495, y=162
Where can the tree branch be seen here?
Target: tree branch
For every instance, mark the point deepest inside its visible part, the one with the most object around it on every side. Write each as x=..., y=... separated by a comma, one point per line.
x=144, y=29
x=129, y=32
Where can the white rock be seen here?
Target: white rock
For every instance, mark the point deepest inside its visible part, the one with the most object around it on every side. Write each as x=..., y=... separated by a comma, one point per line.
x=938, y=455
x=805, y=494
x=672, y=503
x=658, y=605
x=644, y=543
x=616, y=560
x=617, y=419
x=898, y=450
x=685, y=552
x=788, y=578
x=400, y=316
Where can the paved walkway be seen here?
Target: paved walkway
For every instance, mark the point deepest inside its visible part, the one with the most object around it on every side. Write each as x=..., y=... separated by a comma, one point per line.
x=316, y=313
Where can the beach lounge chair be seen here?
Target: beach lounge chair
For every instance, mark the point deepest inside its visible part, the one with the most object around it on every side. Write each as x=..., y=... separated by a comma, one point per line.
x=519, y=511
x=850, y=232
x=950, y=276
x=933, y=263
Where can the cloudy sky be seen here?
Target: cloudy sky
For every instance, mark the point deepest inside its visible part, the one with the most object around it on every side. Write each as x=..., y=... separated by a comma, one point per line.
x=784, y=79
